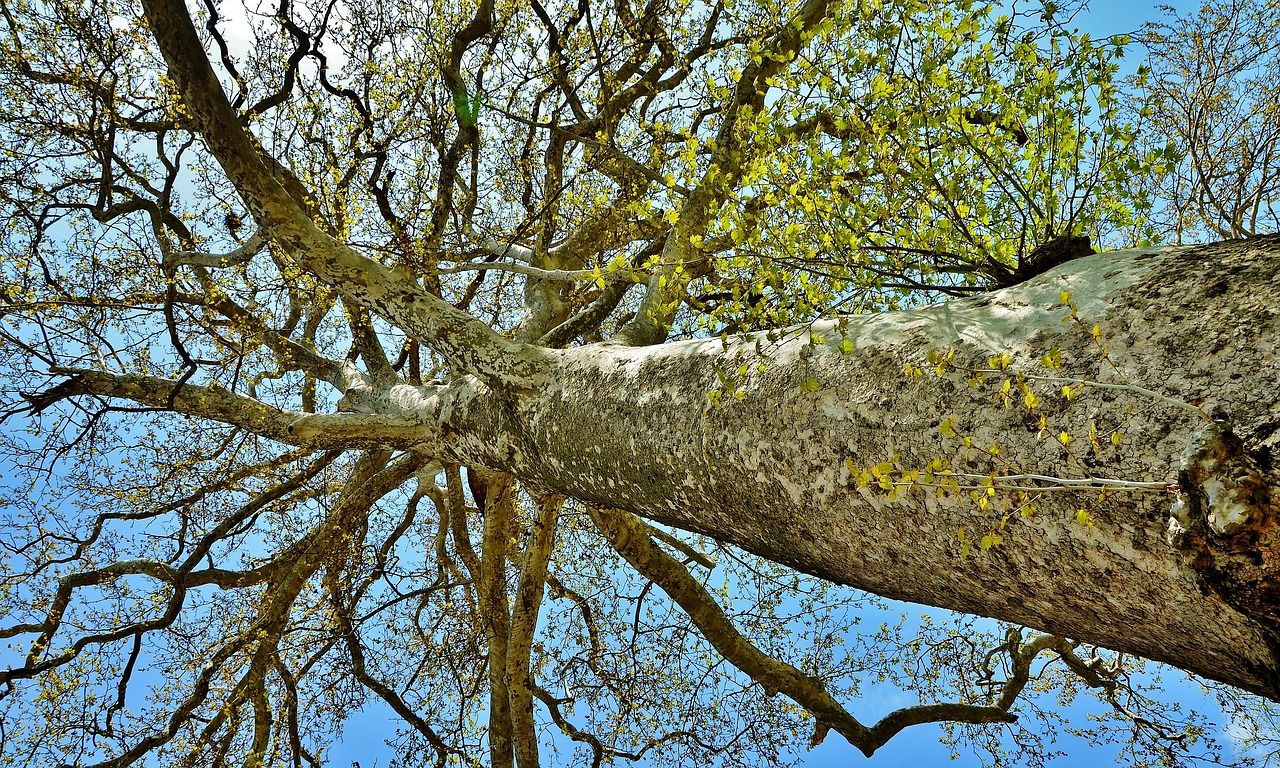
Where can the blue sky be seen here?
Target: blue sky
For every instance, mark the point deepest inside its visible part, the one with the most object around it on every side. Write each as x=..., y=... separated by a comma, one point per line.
x=1109, y=17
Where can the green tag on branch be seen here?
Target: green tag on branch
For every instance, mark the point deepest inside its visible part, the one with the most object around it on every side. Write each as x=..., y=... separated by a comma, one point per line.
x=466, y=106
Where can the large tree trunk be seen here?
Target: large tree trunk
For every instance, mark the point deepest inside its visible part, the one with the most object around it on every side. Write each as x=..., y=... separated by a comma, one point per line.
x=1182, y=570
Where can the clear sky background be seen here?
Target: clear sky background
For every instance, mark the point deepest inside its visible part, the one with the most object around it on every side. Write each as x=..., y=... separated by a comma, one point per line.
x=919, y=746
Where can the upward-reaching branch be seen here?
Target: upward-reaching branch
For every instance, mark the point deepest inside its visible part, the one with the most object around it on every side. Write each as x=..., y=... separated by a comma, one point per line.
x=467, y=343
x=722, y=177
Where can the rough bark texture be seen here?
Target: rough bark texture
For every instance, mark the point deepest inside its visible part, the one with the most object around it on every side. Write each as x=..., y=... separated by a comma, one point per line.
x=634, y=428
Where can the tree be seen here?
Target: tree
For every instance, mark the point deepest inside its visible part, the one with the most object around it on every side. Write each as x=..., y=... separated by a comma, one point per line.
x=1210, y=92
x=268, y=295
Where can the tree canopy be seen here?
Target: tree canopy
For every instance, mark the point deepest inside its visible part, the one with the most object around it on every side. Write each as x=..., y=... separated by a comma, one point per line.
x=522, y=367
x=1210, y=92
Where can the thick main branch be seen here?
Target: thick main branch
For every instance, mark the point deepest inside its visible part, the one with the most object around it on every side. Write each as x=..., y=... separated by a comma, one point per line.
x=466, y=342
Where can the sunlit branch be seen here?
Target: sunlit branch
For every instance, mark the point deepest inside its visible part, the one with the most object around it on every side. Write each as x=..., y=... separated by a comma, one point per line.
x=366, y=343
x=589, y=319
x=213, y=403
x=524, y=621
x=292, y=355
x=601, y=753
x=364, y=430
x=656, y=311
x=522, y=253
x=355, y=647
x=290, y=684
x=554, y=275
x=457, y=509
x=468, y=343
x=597, y=646
x=226, y=482
x=498, y=517
x=339, y=430
x=252, y=247
x=691, y=555
x=605, y=157
x=845, y=128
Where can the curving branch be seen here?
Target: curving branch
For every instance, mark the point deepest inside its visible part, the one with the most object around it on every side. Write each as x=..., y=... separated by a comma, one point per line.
x=251, y=247
x=657, y=309
x=628, y=536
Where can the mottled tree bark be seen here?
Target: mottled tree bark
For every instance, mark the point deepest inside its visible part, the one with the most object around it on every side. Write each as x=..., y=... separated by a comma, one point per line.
x=1182, y=570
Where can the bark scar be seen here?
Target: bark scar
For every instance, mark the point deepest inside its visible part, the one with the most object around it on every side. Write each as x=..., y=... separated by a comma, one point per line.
x=1226, y=525
x=1218, y=470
